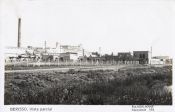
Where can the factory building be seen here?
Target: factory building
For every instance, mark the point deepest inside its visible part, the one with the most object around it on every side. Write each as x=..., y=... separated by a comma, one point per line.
x=71, y=53
x=161, y=60
x=110, y=58
x=141, y=56
x=72, y=49
x=51, y=54
x=14, y=53
x=124, y=56
x=68, y=57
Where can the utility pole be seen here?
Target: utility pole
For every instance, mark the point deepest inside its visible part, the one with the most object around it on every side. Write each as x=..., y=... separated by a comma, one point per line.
x=99, y=51
x=151, y=51
x=45, y=46
x=153, y=43
x=150, y=55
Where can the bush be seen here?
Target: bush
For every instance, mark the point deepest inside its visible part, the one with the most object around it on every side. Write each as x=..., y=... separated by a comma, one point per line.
x=128, y=87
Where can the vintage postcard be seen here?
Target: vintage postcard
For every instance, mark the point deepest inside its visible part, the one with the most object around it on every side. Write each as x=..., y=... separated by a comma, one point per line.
x=87, y=55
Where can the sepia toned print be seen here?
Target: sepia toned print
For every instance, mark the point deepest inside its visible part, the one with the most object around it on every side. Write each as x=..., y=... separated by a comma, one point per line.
x=72, y=74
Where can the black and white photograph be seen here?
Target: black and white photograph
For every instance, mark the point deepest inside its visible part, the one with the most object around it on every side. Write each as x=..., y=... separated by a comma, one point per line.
x=87, y=53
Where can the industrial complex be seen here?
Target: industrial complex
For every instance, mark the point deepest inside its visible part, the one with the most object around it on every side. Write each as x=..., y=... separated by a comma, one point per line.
x=76, y=54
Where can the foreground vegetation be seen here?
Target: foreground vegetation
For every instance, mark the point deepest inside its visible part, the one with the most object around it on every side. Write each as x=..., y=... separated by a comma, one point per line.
x=140, y=86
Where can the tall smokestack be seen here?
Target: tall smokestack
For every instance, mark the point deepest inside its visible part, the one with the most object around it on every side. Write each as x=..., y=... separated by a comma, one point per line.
x=19, y=32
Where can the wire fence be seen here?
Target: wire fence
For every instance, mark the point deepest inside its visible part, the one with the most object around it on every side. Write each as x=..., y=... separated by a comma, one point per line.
x=78, y=63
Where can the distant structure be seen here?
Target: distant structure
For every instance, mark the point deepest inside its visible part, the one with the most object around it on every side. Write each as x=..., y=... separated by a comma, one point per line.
x=161, y=60
x=76, y=53
x=141, y=56
x=19, y=33
x=14, y=53
x=124, y=56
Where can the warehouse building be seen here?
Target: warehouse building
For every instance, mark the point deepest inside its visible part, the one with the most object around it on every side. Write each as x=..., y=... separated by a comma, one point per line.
x=161, y=60
x=141, y=56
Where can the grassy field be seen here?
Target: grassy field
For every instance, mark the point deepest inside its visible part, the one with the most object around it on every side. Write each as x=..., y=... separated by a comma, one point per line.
x=129, y=86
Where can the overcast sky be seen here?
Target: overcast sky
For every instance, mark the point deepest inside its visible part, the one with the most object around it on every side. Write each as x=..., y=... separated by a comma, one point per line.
x=113, y=25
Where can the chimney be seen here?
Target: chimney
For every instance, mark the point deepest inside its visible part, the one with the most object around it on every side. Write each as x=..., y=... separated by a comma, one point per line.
x=19, y=32
x=56, y=44
x=83, y=52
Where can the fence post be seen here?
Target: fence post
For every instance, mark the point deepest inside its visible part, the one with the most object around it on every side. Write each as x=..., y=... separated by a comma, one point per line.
x=58, y=62
x=27, y=62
